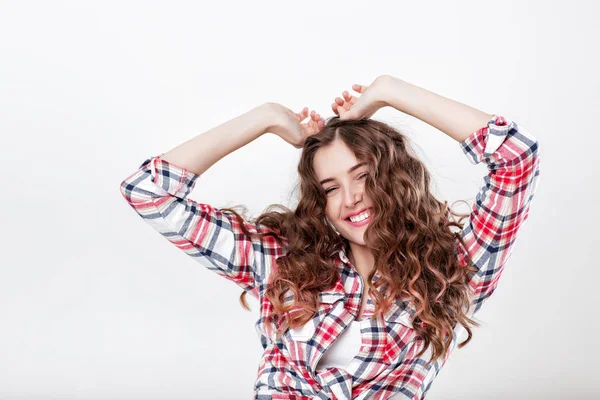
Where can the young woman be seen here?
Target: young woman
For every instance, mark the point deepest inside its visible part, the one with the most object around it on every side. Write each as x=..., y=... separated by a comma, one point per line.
x=364, y=288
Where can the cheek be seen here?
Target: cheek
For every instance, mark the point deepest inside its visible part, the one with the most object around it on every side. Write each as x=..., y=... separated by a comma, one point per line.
x=332, y=210
x=330, y=214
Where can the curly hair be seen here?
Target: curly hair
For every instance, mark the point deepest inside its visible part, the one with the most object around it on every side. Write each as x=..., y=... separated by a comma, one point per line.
x=410, y=238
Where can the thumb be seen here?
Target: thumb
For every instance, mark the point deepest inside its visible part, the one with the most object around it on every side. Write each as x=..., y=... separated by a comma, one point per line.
x=359, y=88
x=346, y=114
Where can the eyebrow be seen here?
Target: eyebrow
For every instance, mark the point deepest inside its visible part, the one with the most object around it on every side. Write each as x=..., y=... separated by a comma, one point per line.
x=349, y=171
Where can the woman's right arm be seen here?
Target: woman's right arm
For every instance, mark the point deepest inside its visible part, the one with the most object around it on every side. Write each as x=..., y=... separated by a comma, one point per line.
x=201, y=152
x=158, y=192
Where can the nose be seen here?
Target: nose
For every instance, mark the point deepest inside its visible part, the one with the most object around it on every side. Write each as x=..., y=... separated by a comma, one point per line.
x=352, y=195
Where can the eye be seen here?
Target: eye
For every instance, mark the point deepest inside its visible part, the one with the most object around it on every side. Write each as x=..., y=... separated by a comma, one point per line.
x=360, y=177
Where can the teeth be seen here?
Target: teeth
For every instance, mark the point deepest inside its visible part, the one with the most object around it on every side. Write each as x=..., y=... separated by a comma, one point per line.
x=360, y=217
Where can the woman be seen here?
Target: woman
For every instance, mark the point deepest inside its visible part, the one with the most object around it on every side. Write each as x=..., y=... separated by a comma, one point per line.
x=364, y=289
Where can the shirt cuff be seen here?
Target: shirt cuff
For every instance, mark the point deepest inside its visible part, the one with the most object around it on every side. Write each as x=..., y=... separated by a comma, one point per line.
x=481, y=144
x=169, y=178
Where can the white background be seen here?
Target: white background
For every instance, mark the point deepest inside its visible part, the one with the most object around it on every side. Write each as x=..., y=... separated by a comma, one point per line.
x=94, y=304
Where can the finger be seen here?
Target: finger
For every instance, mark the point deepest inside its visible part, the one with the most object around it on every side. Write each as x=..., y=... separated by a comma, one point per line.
x=339, y=101
x=347, y=103
x=302, y=114
x=349, y=98
x=359, y=88
x=334, y=107
x=321, y=123
x=314, y=118
x=347, y=113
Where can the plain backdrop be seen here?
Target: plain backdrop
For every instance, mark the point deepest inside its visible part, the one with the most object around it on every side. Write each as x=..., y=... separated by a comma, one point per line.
x=94, y=304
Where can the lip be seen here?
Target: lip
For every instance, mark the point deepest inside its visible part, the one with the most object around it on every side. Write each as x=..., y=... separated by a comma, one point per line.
x=356, y=213
x=361, y=223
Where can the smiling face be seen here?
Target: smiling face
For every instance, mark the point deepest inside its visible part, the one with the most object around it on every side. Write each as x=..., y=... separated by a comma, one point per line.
x=343, y=178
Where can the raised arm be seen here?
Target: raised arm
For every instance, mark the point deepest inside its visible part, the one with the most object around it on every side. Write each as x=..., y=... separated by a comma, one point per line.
x=510, y=152
x=158, y=192
x=455, y=119
x=201, y=152
x=502, y=204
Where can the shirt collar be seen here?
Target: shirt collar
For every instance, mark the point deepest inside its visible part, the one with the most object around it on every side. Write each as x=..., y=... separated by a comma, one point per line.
x=342, y=255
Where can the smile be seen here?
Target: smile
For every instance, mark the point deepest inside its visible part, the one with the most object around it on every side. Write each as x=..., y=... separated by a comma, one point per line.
x=361, y=223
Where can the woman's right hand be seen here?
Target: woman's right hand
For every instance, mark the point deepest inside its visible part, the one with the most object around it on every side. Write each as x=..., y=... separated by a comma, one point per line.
x=288, y=125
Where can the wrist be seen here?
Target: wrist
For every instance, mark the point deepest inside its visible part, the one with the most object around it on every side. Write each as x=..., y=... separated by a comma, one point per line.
x=274, y=116
x=263, y=115
x=390, y=91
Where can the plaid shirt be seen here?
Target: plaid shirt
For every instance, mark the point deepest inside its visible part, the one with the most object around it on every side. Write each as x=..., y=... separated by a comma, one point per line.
x=386, y=366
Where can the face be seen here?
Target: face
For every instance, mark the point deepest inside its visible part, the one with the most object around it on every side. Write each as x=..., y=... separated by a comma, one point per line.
x=335, y=166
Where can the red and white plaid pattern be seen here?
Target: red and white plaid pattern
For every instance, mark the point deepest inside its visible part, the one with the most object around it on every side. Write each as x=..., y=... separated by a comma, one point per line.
x=386, y=364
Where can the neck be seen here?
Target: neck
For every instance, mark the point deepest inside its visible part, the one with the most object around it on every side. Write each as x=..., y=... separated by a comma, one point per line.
x=362, y=259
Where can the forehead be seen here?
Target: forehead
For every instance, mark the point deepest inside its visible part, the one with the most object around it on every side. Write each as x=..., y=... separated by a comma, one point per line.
x=333, y=160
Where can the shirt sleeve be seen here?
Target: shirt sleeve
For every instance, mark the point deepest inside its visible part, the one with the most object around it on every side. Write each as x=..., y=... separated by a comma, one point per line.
x=158, y=192
x=502, y=204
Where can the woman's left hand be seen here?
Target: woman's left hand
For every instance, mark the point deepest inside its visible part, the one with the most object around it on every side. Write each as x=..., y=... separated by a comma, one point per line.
x=372, y=99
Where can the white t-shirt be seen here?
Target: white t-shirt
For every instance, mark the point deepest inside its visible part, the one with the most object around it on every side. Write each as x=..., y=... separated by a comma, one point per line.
x=343, y=350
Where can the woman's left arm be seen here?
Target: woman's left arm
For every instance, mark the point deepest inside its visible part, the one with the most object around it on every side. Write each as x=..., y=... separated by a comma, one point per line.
x=510, y=152
x=455, y=119
x=502, y=204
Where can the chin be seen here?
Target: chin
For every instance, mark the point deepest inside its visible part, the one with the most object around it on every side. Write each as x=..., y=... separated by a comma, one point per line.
x=355, y=241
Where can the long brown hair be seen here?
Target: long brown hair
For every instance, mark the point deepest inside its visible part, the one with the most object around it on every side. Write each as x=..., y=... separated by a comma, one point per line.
x=410, y=238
